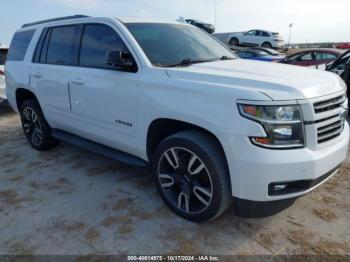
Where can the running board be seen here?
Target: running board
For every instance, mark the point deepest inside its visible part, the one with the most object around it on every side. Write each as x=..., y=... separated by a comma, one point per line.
x=99, y=149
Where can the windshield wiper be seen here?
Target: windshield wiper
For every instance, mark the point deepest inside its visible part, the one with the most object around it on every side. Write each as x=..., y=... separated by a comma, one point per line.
x=226, y=58
x=189, y=61
x=185, y=62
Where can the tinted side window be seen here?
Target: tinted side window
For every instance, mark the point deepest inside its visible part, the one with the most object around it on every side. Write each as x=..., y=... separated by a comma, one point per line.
x=3, y=56
x=96, y=42
x=39, y=46
x=19, y=45
x=307, y=57
x=62, y=48
x=325, y=56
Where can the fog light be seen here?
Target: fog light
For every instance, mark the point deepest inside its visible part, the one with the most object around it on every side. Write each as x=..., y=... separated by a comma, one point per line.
x=279, y=187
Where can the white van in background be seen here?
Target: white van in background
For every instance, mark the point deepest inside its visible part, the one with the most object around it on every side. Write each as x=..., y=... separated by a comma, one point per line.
x=3, y=56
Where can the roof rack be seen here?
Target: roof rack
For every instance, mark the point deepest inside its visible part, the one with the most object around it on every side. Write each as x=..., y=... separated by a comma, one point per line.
x=55, y=19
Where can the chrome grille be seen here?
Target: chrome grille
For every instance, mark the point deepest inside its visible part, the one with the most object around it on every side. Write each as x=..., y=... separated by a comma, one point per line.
x=329, y=104
x=330, y=120
x=328, y=132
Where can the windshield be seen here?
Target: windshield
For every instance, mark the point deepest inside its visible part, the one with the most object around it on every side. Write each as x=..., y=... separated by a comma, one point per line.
x=171, y=44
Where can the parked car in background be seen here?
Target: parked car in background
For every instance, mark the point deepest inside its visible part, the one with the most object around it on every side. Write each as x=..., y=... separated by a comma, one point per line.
x=260, y=54
x=215, y=129
x=3, y=57
x=341, y=66
x=313, y=57
x=261, y=38
x=270, y=51
x=344, y=46
x=209, y=28
x=338, y=66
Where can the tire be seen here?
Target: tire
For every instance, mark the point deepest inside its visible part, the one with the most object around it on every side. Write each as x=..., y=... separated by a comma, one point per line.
x=266, y=45
x=197, y=185
x=35, y=126
x=3, y=102
x=234, y=41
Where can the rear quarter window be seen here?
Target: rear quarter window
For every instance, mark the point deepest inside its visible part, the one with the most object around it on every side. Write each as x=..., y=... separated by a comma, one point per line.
x=19, y=45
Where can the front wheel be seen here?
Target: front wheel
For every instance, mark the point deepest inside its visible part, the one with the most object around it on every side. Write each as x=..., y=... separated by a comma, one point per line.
x=192, y=176
x=234, y=41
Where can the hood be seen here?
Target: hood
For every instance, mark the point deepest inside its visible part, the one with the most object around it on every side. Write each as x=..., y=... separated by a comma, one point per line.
x=278, y=81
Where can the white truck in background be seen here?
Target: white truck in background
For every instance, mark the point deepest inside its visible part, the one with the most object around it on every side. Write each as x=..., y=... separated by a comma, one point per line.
x=3, y=56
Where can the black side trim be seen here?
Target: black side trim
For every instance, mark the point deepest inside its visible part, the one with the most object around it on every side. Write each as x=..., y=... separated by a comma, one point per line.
x=100, y=149
x=298, y=185
x=258, y=209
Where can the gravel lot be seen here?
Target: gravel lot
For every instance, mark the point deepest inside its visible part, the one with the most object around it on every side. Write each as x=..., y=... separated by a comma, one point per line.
x=69, y=201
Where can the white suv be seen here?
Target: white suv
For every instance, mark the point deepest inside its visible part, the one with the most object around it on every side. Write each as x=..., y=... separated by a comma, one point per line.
x=261, y=38
x=213, y=128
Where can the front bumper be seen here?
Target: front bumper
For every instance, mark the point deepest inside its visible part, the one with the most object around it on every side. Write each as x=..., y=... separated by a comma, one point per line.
x=254, y=169
x=278, y=44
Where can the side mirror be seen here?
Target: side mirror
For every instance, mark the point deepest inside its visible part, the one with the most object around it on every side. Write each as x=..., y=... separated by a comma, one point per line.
x=119, y=59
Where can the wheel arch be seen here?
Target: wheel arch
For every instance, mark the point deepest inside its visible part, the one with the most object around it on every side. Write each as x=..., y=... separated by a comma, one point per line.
x=23, y=94
x=161, y=128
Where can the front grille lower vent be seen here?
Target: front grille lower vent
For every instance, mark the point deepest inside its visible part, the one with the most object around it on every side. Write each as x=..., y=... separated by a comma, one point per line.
x=328, y=132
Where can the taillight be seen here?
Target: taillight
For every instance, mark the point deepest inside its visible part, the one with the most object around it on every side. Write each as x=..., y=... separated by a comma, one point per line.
x=2, y=73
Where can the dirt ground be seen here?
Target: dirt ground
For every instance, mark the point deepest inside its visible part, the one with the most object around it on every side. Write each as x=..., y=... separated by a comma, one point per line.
x=69, y=201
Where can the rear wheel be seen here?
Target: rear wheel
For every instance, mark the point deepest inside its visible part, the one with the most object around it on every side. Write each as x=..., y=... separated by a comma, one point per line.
x=192, y=177
x=266, y=45
x=35, y=127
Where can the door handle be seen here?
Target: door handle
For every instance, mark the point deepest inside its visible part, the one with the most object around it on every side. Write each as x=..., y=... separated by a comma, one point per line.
x=78, y=82
x=37, y=76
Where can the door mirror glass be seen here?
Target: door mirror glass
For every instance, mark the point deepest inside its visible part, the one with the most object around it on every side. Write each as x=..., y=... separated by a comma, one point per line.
x=119, y=58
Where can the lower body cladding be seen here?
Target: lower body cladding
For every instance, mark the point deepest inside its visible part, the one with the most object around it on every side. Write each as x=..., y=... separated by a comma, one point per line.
x=266, y=181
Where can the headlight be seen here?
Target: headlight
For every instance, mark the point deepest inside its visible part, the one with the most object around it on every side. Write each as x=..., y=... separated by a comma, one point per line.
x=283, y=125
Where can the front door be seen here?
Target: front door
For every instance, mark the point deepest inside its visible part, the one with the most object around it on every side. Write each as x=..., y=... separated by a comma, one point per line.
x=103, y=97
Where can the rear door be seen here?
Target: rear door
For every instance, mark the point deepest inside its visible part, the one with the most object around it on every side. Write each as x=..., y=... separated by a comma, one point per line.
x=323, y=57
x=56, y=53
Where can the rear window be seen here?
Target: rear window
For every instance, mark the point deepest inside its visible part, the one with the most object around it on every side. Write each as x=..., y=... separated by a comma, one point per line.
x=62, y=49
x=3, y=56
x=19, y=45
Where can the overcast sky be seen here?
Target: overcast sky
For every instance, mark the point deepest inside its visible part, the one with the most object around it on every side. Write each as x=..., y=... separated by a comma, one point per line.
x=314, y=20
